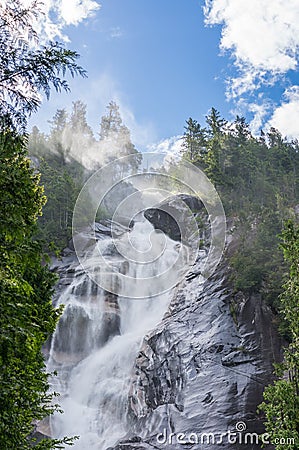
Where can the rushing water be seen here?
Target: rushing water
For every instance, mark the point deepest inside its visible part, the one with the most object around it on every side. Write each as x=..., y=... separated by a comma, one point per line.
x=98, y=338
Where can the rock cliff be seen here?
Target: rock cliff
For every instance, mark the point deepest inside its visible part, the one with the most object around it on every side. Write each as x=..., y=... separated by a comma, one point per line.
x=203, y=369
x=199, y=373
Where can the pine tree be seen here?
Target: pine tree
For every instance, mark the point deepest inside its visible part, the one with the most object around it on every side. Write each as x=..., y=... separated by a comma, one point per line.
x=115, y=139
x=281, y=405
x=194, y=141
x=111, y=123
x=215, y=122
x=27, y=68
x=57, y=141
x=215, y=158
x=37, y=144
x=27, y=316
x=78, y=122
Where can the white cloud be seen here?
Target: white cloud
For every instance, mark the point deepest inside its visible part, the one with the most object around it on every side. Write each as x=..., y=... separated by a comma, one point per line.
x=249, y=80
x=259, y=113
x=262, y=36
x=286, y=117
x=261, y=33
x=75, y=11
x=59, y=14
x=171, y=146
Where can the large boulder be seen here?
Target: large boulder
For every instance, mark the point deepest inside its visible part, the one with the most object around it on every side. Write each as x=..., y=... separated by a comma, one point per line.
x=179, y=217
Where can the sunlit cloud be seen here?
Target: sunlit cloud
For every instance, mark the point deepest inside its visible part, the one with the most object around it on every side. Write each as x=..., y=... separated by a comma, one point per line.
x=260, y=111
x=286, y=116
x=75, y=11
x=262, y=39
x=58, y=14
x=171, y=146
x=261, y=35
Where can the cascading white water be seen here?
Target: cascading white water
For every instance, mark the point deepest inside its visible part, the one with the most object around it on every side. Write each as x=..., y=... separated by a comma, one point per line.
x=94, y=371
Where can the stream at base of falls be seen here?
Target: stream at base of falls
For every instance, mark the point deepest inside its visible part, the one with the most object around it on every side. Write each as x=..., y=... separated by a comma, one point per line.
x=98, y=338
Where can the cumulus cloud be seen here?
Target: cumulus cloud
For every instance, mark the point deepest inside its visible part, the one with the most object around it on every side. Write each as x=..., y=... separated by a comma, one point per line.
x=261, y=35
x=260, y=111
x=172, y=147
x=286, y=117
x=73, y=12
x=58, y=14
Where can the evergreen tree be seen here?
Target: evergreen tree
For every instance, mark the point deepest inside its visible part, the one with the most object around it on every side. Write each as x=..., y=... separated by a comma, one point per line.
x=57, y=131
x=27, y=68
x=79, y=135
x=241, y=127
x=78, y=122
x=37, y=144
x=111, y=123
x=115, y=139
x=215, y=122
x=215, y=159
x=27, y=316
x=194, y=142
x=281, y=405
x=62, y=186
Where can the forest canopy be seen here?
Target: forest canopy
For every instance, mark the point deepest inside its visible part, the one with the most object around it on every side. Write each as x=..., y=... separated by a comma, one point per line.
x=27, y=315
x=41, y=176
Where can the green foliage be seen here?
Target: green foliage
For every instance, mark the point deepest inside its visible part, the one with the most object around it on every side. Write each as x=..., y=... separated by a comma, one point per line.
x=62, y=187
x=290, y=297
x=27, y=68
x=19, y=212
x=57, y=157
x=114, y=134
x=281, y=407
x=281, y=400
x=258, y=264
x=61, y=176
x=257, y=179
x=194, y=143
x=27, y=316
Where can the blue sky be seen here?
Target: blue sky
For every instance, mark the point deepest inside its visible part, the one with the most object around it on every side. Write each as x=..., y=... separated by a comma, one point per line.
x=166, y=60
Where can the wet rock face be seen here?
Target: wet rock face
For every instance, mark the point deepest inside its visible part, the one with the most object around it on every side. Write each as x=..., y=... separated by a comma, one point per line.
x=179, y=209
x=162, y=220
x=110, y=320
x=161, y=380
x=91, y=316
x=73, y=331
x=202, y=370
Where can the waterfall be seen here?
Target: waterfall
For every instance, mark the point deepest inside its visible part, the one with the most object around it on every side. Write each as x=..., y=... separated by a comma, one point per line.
x=99, y=335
